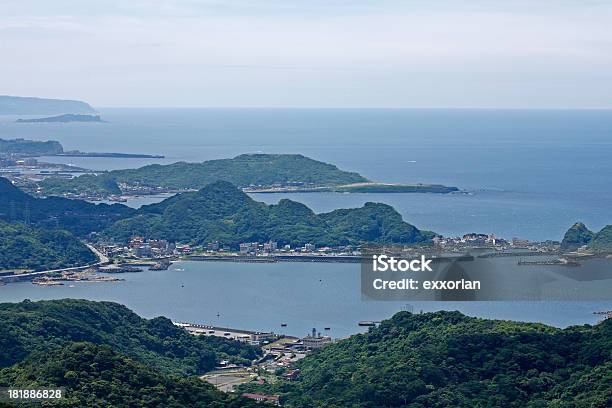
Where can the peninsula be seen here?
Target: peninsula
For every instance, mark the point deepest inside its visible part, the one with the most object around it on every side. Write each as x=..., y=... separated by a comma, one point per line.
x=19, y=148
x=254, y=173
x=25, y=147
x=17, y=105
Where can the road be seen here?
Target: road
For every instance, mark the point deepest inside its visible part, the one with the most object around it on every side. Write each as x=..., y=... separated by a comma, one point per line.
x=102, y=260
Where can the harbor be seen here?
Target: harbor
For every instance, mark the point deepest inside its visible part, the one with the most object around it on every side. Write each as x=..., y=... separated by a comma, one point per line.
x=253, y=296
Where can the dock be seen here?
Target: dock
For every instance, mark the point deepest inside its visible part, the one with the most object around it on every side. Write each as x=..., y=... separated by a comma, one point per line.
x=248, y=336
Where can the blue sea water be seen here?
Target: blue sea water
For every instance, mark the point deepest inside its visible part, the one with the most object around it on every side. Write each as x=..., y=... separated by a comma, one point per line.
x=529, y=174
x=264, y=296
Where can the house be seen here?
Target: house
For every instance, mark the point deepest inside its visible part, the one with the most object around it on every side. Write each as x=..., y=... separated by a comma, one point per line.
x=263, y=398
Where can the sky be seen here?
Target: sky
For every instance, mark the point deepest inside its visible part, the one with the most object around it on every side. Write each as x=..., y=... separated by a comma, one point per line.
x=310, y=53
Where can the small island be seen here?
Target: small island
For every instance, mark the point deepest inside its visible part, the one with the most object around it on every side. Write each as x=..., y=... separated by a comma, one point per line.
x=66, y=118
x=77, y=153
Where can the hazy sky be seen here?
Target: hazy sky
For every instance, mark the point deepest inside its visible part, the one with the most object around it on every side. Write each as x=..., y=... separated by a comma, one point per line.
x=309, y=53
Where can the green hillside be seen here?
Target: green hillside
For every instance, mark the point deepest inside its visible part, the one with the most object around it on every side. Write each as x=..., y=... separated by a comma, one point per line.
x=579, y=235
x=242, y=171
x=78, y=217
x=105, y=355
x=446, y=359
x=22, y=146
x=602, y=241
x=30, y=326
x=23, y=247
x=98, y=376
x=224, y=213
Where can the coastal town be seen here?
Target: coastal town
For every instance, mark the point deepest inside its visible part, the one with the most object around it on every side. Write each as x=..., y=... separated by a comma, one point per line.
x=140, y=247
x=142, y=253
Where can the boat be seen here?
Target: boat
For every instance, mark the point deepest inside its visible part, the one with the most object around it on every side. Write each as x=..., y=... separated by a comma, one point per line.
x=283, y=324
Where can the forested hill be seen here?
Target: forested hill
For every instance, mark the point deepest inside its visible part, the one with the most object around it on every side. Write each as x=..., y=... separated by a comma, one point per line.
x=105, y=355
x=446, y=359
x=580, y=236
x=221, y=212
x=98, y=376
x=23, y=247
x=242, y=171
x=78, y=217
x=23, y=146
x=18, y=105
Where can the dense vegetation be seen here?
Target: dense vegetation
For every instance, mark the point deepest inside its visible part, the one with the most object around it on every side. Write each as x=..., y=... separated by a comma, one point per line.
x=579, y=235
x=105, y=355
x=23, y=247
x=98, y=376
x=243, y=171
x=602, y=241
x=22, y=146
x=88, y=184
x=30, y=326
x=79, y=217
x=446, y=359
x=224, y=213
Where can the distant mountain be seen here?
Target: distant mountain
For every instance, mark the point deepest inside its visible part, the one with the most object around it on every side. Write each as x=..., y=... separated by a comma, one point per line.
x=23, y=247
x=17, y=105
x=448, y=360
x=107, y=356
x=224, y=213
x=78, y=217
x=36, y=148
x=577, y=236
x=66, y=118
x=242, y=171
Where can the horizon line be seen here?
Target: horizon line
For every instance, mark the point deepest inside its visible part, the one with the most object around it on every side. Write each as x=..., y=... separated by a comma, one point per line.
x=352, y=107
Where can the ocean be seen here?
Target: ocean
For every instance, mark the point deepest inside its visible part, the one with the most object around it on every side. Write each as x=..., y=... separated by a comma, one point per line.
x=526, y=173
x=529, y=173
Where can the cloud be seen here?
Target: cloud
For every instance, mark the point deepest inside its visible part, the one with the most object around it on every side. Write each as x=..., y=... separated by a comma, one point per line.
x=315, y=53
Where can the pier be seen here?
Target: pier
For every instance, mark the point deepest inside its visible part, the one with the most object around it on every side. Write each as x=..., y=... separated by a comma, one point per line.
x=249, y=336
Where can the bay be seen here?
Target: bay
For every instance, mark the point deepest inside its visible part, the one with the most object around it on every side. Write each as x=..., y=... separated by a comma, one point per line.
x=264, y=296
x=528, y=174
